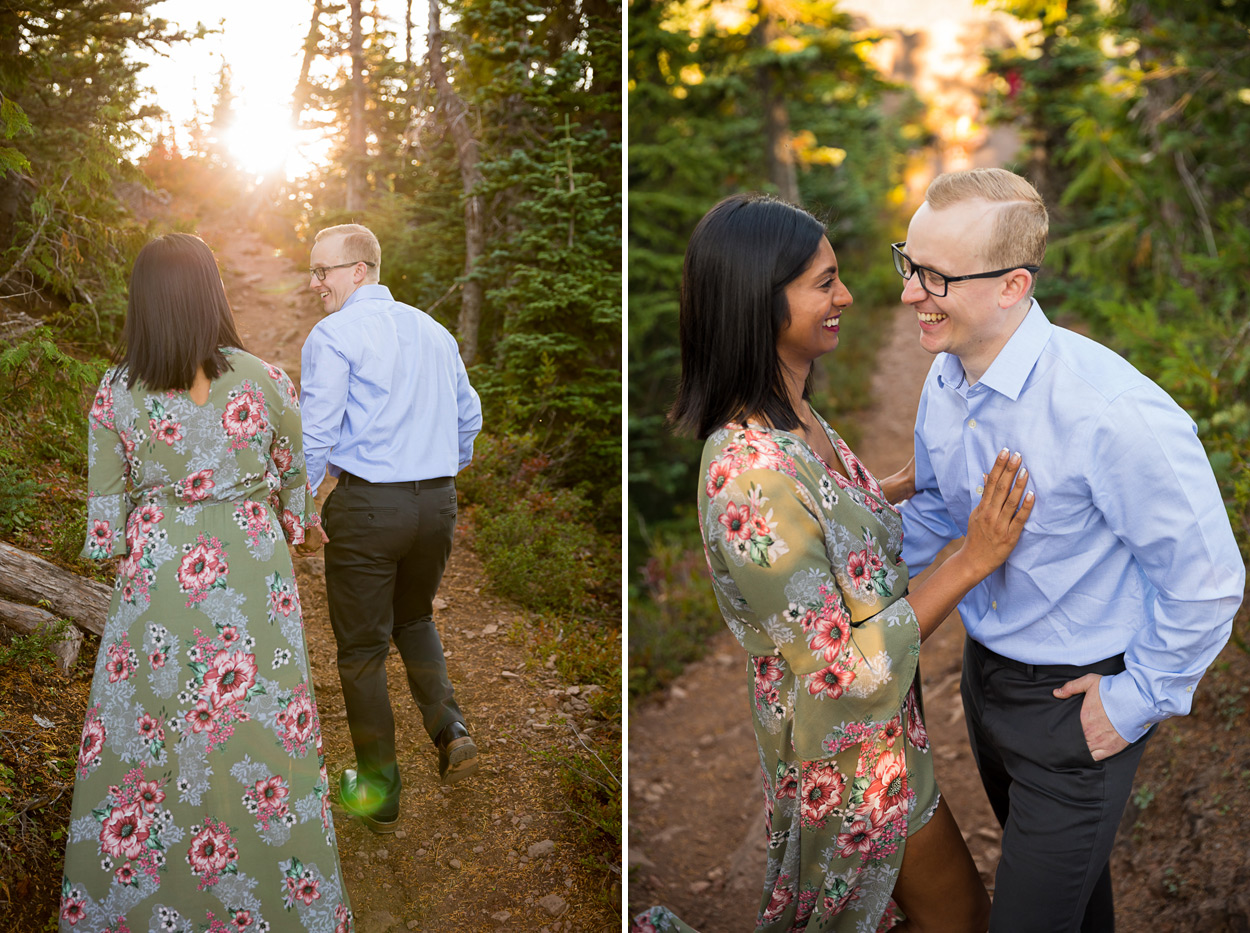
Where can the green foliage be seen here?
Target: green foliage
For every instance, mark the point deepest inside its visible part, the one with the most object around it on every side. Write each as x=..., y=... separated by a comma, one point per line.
x=1141, y=156
x=672, y=612
x=70, y=109
x=37, y=649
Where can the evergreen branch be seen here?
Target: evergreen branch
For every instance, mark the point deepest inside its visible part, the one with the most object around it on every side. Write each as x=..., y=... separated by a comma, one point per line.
x=30, y=246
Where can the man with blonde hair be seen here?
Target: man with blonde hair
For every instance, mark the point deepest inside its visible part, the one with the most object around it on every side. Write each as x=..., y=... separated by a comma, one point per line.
x=1124, y=584
x=388, y=409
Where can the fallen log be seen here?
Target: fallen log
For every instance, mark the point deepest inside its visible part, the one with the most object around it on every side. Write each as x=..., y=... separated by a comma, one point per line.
x=27, y=578
x=27, y=620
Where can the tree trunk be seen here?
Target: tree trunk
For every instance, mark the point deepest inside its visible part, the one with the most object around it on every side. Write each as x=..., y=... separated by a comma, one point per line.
x=299, y=99
x=356, y=153
x=456, y=113
x=781, y=168
x=26, y=620
x=30, y=579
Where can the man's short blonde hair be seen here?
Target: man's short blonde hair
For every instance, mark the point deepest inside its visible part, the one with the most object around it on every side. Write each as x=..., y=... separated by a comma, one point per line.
x=1017, y=236
x=358, y=244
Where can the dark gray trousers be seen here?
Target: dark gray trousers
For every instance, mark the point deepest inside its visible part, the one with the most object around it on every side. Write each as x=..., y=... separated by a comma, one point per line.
x=1059, y=808
x=389, y=544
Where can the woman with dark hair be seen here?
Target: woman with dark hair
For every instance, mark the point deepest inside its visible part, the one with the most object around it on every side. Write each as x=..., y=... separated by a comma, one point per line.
x=201, y=801
x=803, y=544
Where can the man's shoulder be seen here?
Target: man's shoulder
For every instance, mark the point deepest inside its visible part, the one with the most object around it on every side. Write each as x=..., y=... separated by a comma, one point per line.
x=1089, y=368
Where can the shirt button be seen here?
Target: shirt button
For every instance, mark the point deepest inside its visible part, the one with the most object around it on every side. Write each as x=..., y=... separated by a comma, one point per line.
x=980, y=489
x=994, y=604
x=972, y=422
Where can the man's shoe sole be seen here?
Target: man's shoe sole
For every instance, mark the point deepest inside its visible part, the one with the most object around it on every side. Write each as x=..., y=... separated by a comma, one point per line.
x=461, y=760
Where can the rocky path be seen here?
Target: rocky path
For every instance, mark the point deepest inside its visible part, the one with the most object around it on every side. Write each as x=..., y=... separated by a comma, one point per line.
x=498, y=851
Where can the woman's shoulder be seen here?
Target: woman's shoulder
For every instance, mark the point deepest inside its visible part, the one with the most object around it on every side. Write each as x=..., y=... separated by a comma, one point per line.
x=252, y=366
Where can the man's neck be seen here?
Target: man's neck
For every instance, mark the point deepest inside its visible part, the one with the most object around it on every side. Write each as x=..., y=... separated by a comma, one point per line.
x=977, y=363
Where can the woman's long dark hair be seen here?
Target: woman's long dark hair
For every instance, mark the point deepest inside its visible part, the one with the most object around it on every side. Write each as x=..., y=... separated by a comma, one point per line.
x=740, y=258
x=177, y=316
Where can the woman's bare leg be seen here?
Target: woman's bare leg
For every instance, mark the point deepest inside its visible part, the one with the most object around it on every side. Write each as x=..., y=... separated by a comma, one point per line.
x=938, y=885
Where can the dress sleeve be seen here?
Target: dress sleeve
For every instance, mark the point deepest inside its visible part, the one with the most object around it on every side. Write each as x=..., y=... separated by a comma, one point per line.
x=770, y=534
x=293, y=499
x=107, y=473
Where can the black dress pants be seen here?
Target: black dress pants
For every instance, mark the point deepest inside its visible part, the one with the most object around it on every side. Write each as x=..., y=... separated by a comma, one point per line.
x=1059, y=808
x=389, y=544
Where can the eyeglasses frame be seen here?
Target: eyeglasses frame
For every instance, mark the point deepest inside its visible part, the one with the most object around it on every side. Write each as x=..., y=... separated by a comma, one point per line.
x=898, y=255
x=320, y=271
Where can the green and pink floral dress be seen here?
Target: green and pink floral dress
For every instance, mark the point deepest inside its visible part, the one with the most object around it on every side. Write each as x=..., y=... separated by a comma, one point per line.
x=805, y=565
x=201, y=803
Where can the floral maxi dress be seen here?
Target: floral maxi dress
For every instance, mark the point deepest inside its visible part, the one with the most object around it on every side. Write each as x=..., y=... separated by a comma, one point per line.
x=806, y=569
x=201, y=803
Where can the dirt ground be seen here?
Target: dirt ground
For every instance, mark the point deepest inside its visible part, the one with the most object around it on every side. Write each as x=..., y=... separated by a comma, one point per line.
x=1181, y=861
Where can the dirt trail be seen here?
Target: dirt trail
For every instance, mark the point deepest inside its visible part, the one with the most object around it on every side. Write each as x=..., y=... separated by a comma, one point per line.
x=496, y=852
x=696, y=838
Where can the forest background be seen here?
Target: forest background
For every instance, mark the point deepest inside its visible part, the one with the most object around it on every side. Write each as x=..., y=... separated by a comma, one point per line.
x=488, y=164
x=1133, y=117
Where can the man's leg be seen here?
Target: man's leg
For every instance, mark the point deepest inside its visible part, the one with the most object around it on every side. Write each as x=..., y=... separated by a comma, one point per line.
x=419, y=573
x=360, y=582
x=1062, y=808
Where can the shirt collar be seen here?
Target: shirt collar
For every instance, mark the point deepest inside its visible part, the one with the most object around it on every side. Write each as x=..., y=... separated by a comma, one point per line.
x=1017, y=358
x=1014, y=362
x=366, y=292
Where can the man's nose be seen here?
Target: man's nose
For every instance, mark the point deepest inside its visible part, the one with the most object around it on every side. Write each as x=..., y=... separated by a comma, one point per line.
x=913, y=292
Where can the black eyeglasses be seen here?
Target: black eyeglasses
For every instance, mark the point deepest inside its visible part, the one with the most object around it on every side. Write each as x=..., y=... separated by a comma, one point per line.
x=934, y=282
x=320, y=271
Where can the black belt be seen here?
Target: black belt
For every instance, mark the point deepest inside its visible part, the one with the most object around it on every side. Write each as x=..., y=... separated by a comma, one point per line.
x=350, y=479
x=1106, y=667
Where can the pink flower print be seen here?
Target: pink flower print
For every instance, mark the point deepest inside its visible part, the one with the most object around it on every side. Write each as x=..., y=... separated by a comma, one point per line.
x=737, y=522
x=788, y=784
x=203, y=567
x=282, y=458
x=830, y=636
x=93, y=735
x=859, y=568
x=150, y=795
x=891, y=731
x=274, y=373
x=203, y=717
x=125, y=874
x=299, y=719
x=719, y=472
x=272, y=790
x=165, y=430
x=777, y=904
x=120, y=665
x=830, y=682
x=125, y=831
x=863, y=479
x=303, y=889
x=73, y=908
x=819, y=792
x=342, y=915
x=284, y=601
x=756, y=451
x=241, y=919
x=150, y=728
x=212, y=851
x=157, y=660
x=229, y=676
x=102, y=406
x=196, y=486
x=102, y=537
x=245, y=415
x=887, y=794
x=917, y=735
x=856, y=840
x=147, y=517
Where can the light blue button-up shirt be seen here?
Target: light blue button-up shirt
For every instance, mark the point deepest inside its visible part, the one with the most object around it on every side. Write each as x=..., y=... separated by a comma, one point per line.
x=384, y=394
x=1128, y=549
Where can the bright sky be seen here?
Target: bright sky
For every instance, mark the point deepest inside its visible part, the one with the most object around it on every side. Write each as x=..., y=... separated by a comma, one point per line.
x=262, y=41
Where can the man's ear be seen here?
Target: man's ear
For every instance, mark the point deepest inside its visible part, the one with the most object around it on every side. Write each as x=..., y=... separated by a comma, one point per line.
x=1015, y=287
